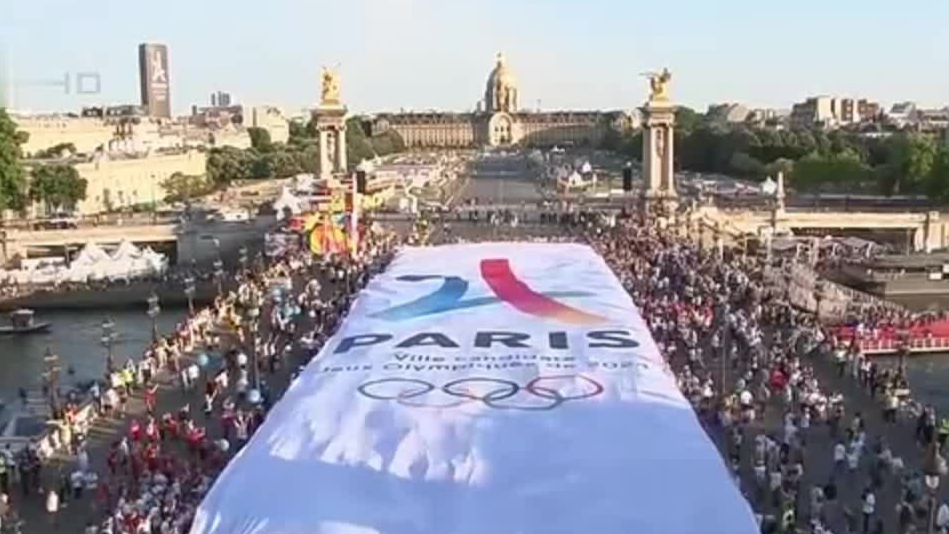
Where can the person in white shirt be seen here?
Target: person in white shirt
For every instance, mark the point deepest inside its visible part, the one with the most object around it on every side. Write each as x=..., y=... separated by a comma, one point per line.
x=868, y=507
x=52, y=507
x=840, y=456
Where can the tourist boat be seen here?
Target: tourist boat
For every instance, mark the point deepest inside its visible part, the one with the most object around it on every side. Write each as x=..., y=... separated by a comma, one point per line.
x=21, y=322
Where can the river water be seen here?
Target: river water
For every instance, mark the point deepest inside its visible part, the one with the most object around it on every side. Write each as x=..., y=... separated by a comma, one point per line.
x=76, y=338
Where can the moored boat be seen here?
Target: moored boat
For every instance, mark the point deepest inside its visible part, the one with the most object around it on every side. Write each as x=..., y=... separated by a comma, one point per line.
x=22, y=322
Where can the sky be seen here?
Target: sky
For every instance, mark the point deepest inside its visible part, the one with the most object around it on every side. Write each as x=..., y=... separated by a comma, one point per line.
x=436, y=54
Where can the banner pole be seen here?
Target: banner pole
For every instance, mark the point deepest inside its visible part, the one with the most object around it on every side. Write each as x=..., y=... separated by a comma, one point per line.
x=354, y=218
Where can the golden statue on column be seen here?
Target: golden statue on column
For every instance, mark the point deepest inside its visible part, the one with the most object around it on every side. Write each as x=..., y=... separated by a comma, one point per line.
x=659, y=85
x=330, y=86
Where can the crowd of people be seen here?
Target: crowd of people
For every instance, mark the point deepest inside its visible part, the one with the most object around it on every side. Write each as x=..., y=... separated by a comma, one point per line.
x=756, y=369
x=784, y=396
x=157, y=470
x=819, y=437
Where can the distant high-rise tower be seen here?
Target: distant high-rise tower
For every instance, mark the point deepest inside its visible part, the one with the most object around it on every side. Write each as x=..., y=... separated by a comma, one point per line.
x=154, y=77
x=220, y=99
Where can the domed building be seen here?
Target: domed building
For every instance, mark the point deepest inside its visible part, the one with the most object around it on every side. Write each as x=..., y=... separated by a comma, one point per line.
x=499, y=121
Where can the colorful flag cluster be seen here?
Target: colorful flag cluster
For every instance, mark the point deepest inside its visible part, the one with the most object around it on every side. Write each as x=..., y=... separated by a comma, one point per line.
x=327, y=235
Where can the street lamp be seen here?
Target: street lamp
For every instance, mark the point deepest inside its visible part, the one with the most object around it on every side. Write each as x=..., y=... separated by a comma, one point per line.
x=51, y=381
x=252, y=303
x=189, y=292
x=108, y=337
x=242, y=258
x=934, y=468
x=154, y=310
x=219, y=275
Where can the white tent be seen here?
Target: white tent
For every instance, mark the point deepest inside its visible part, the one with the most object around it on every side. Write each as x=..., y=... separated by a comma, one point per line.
x=126, y=250
x=512, y=400
x=90, y=254
x=157, y=263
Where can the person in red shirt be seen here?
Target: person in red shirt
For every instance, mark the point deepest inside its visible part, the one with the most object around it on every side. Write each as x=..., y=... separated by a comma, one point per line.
x=151, y=398
x=135, y=430
x=151, y=430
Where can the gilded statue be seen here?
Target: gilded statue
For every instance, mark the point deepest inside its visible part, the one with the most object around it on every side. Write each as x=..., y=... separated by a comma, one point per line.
x=659, y=84
x=330, y=86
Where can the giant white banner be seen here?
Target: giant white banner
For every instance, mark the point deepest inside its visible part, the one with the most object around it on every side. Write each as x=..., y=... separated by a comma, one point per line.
x=483, y=389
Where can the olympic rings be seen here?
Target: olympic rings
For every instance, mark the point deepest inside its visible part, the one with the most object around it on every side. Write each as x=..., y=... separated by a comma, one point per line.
x=501, y=390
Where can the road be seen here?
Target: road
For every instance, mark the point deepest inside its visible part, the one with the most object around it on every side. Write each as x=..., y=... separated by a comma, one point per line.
x=499, y=180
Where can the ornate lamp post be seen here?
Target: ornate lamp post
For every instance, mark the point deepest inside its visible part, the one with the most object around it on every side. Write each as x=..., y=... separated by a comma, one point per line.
x=219, y=275
x=934, y=468
x=189, y=292
x=253, y=314
x=242, y=258
x=154, y=310
x=108, y=338
x=51, y=381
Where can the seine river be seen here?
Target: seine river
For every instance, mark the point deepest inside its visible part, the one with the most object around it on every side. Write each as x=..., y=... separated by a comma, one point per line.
x=76, y=338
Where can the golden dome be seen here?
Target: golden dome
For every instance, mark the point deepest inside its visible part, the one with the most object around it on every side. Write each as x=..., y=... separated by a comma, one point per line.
x=501, y=74
x=501, y=91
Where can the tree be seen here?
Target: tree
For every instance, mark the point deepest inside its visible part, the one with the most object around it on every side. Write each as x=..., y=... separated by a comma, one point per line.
x=285, y=164
x=937, y=187
x=309, y=159
x=184, y=187
x=745, y=165
x=259, y=139
x=57, y=186
x=909, y=162
x=56, y=151
x=687, y=119
x=358, y=147
x=298, y=132
x=12, y=177
x=841, y=172
x=387, y=143
x=226, y=164
x=262, y=167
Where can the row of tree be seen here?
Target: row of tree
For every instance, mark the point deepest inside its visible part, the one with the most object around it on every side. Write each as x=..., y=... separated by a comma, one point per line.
x=300, y=154
x=58, y=186
x=812, y=160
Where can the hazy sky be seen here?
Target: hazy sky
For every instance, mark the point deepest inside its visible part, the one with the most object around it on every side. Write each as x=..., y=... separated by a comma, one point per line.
x=436, y=54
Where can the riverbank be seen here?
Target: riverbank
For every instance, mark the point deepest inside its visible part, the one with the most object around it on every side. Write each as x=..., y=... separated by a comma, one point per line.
x=112, y=297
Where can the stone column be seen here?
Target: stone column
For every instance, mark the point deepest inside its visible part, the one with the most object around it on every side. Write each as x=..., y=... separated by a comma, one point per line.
x=326, y=170
x=341, y=165
x=659, y=153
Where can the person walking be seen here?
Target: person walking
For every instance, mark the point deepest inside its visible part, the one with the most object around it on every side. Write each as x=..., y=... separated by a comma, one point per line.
x=52, y=507
x=868, y=508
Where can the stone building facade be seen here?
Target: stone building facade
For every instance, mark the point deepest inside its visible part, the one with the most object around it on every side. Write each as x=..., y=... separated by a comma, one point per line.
x=500, y=122
x=116, y=181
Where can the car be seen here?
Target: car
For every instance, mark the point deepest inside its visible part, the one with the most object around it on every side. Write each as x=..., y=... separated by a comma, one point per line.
x=57, y=221
x=233, y=216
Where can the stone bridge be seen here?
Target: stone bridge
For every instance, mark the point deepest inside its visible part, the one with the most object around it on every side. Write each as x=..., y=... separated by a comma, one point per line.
x=925, y=230
x=199, y=242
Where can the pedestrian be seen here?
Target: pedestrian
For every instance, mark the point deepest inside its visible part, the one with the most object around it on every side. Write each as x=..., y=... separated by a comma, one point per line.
x=52, y=507
x=868, y=507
